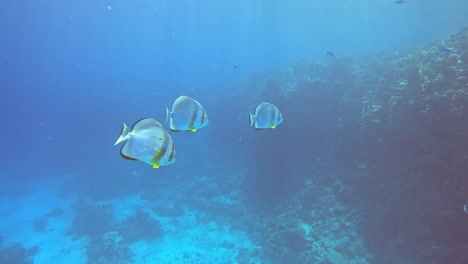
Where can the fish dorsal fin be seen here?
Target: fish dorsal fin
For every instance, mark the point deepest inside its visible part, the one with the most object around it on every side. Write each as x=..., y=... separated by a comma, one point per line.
x=145, y=123
x=122, y=135
x=261, y=107
x=252, y=119
x=168, y=115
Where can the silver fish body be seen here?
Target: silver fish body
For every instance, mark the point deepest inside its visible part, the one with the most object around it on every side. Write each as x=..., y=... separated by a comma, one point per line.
x=186, y=114
x=266, y=115
x=147, y=141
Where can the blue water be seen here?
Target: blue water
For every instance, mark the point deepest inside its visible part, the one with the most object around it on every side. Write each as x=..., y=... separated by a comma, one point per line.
x=71, y=72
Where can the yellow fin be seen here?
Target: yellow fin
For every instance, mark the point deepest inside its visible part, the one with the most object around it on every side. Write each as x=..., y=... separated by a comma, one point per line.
x=156, y=158
x=193, y=130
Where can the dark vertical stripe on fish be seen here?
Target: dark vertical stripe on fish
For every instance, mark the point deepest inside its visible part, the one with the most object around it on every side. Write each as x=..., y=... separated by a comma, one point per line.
x=172, y=153
x=202, y=117
x=194, y=116
x=273, y=115
x=278, y=116
x=163, y=149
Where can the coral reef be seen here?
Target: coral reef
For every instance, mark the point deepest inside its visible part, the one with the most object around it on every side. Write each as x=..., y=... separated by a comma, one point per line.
x=17, y=254
x=140, y=226
x=164, y=210
x=108, y=248
x=375, y=173
x=249, y=256
x=40, y=224
x=55, y=212
x=397, y=122
x=314, y=228
x=91, y=220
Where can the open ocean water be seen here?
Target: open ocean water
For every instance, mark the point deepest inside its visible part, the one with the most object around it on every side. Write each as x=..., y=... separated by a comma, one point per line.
x=370, y=163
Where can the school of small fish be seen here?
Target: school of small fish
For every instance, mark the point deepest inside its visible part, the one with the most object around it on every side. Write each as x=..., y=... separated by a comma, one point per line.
x=149, y=142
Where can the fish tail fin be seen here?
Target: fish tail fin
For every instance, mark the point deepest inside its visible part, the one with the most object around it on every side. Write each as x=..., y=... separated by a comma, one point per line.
x=168, y=115
x=252, y=118
x=123, y=134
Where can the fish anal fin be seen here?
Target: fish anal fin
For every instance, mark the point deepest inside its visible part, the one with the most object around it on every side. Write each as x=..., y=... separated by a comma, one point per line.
x=155, y=160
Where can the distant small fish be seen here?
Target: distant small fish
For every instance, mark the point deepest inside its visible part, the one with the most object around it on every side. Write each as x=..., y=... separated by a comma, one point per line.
x=109, y=7
x=448, y=50
x=266, y=116
x=400, y=2
x=331, y=54
x=236, y=67
x=186, y=115
x=465, y=208
x=147, y=141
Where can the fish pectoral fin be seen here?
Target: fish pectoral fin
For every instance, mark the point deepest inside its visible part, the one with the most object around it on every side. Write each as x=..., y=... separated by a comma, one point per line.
x=193, y=130
x=156, y=166
x=273, y=126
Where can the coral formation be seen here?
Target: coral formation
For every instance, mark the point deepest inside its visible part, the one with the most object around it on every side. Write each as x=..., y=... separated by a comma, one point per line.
x=384, y=164
x=315, y=228
x=55, y=212
x=106, y=249
x=165, y=210
x=17, y=254
x=91, y=220
x=140, y=226
x=40, y=224
x=399, y=123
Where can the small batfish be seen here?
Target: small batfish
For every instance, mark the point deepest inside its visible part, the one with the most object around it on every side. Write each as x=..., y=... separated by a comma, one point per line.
x=266, y=116
x=186, y=115
x=449, y=50
x=331, y=54
x=147, y=141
